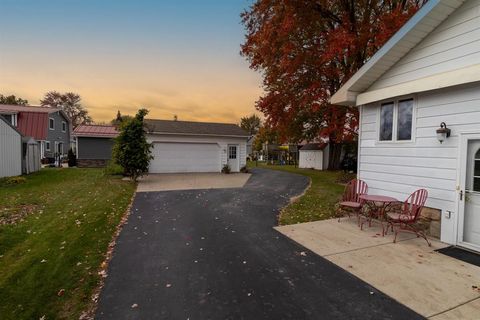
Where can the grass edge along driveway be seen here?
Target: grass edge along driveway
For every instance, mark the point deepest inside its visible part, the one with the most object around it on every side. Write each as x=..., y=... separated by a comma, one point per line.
x=49, y=262
x=318, y=201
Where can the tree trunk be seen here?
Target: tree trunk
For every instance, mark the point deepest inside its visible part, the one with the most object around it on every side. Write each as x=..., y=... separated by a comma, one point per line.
x=334, y=156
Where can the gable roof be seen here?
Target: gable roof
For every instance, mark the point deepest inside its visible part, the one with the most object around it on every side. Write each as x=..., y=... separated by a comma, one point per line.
x=430, y=16
x=194, y=128
x=96, y=131
x=314, y=146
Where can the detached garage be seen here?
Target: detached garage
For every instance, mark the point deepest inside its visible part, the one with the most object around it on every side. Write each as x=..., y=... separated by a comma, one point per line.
x=94, y=144
x=186, y=146
x=10, y=150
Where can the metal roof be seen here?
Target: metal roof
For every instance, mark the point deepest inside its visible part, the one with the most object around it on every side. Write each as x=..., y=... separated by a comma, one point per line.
x=100, y=131
x=431, y=15
x=194, y=128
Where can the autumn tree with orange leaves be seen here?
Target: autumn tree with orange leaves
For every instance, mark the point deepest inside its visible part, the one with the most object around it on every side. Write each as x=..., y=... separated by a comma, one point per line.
x=306, y=50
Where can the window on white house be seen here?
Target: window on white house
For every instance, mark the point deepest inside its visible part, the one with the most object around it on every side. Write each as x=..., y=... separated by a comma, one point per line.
x=404, y=119
x=47, y=145
x=64, y=126
x=476, y=172
x=386, y=121
x=396, y=116
x=51, y=123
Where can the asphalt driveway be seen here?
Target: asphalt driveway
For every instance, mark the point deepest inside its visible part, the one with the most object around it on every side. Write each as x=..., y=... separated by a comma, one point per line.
x=213, y=254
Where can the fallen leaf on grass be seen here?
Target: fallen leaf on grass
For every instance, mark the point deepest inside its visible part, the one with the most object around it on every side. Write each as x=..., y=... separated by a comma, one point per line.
x=61, y=292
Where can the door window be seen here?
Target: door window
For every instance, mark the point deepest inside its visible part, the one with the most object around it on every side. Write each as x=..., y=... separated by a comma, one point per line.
x=476, y=172
x=232, y=152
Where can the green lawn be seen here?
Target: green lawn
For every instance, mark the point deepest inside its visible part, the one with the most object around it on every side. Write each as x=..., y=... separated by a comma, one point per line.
x=69, y=217
x=319, y=200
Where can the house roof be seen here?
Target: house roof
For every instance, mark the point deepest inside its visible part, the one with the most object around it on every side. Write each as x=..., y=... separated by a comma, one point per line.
x=430, y=16
x=194, y=128
x=314, y=146
x=9, y=109
x=99, y=131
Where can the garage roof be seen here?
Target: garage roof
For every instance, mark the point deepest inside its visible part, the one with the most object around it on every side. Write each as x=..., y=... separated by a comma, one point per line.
x=194, y=128
x=98, y=131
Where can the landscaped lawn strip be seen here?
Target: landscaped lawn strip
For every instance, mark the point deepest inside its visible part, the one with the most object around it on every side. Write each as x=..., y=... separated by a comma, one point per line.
x=318, y=202
x=60, y=244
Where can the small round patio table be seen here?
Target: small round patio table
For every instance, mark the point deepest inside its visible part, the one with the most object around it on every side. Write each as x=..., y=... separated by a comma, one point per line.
x=377, y=204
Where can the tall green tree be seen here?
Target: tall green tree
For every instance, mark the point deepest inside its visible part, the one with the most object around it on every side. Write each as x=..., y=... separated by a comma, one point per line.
x=131, y=149
x=12, y=99
x=251, y=124
x=70, y=103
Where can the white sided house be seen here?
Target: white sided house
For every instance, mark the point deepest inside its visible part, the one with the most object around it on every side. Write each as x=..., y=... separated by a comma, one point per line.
x=426, y=77
x=186, y=146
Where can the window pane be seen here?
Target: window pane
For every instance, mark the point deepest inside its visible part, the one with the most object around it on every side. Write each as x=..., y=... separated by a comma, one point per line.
x=477, y=168
x=476, y=184
x=404, y=121
x=386, y=121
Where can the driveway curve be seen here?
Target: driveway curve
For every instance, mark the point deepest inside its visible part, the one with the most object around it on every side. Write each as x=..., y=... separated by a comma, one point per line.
x=213, y=254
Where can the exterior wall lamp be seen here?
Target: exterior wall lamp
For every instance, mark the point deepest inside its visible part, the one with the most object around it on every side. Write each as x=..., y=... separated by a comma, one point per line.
x=443, y=132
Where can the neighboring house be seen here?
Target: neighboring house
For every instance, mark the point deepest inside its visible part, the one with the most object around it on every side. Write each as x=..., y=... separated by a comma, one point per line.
x=94, y=144
x=49, y=126
x=184, y=146
x=314, y=156
x=427, y=76
x=10, y=149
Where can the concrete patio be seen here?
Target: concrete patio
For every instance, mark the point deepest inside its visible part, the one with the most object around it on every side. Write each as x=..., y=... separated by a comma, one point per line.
x=191, y=181
x=432, y=284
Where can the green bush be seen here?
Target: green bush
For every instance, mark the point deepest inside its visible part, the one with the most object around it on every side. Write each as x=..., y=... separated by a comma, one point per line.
x=113, y=169
x=72, y=158
x=226, y=169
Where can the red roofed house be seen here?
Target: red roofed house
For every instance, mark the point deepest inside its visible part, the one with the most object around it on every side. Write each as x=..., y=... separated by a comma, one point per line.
x=94, y=144
x=51, y=127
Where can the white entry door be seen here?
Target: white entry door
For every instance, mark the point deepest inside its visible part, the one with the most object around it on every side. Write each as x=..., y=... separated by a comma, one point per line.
x=233, y=159
x=470, y=197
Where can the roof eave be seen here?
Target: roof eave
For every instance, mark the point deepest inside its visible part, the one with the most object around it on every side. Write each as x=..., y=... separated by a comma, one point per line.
x=199, y=134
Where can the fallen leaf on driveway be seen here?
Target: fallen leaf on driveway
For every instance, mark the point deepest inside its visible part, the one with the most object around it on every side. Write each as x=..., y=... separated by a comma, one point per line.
x=134, y=306
x=168, y=285
x=303, y=253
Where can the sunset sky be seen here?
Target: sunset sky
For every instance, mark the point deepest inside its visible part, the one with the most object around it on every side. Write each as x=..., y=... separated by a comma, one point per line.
x=173, y=57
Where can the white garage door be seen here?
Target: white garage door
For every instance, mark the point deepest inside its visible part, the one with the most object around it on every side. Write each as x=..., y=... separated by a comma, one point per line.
x=185, y=157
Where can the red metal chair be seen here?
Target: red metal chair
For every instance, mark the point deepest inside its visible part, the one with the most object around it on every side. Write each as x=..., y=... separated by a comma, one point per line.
x=405, y=219
x=351, y=202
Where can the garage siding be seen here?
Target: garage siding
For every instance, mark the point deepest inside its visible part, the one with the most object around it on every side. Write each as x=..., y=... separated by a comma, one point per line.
x=222, y=143
x=10, y=151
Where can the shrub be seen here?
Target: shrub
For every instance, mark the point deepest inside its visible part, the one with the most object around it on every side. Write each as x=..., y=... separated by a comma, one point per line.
x=226, y=169
x=131, y=149
x=113, y=169
x=244, y=169
x=72, y=159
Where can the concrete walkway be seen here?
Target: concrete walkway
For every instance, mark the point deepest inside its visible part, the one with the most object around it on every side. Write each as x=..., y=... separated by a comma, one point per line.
x=434, y=285
x=191, y=181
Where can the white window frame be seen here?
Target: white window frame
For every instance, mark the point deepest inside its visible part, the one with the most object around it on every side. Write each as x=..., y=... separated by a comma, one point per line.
x=395, y=120
x=64, y=126
x=47, y=145
x=49, y=127
x=15, y=120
